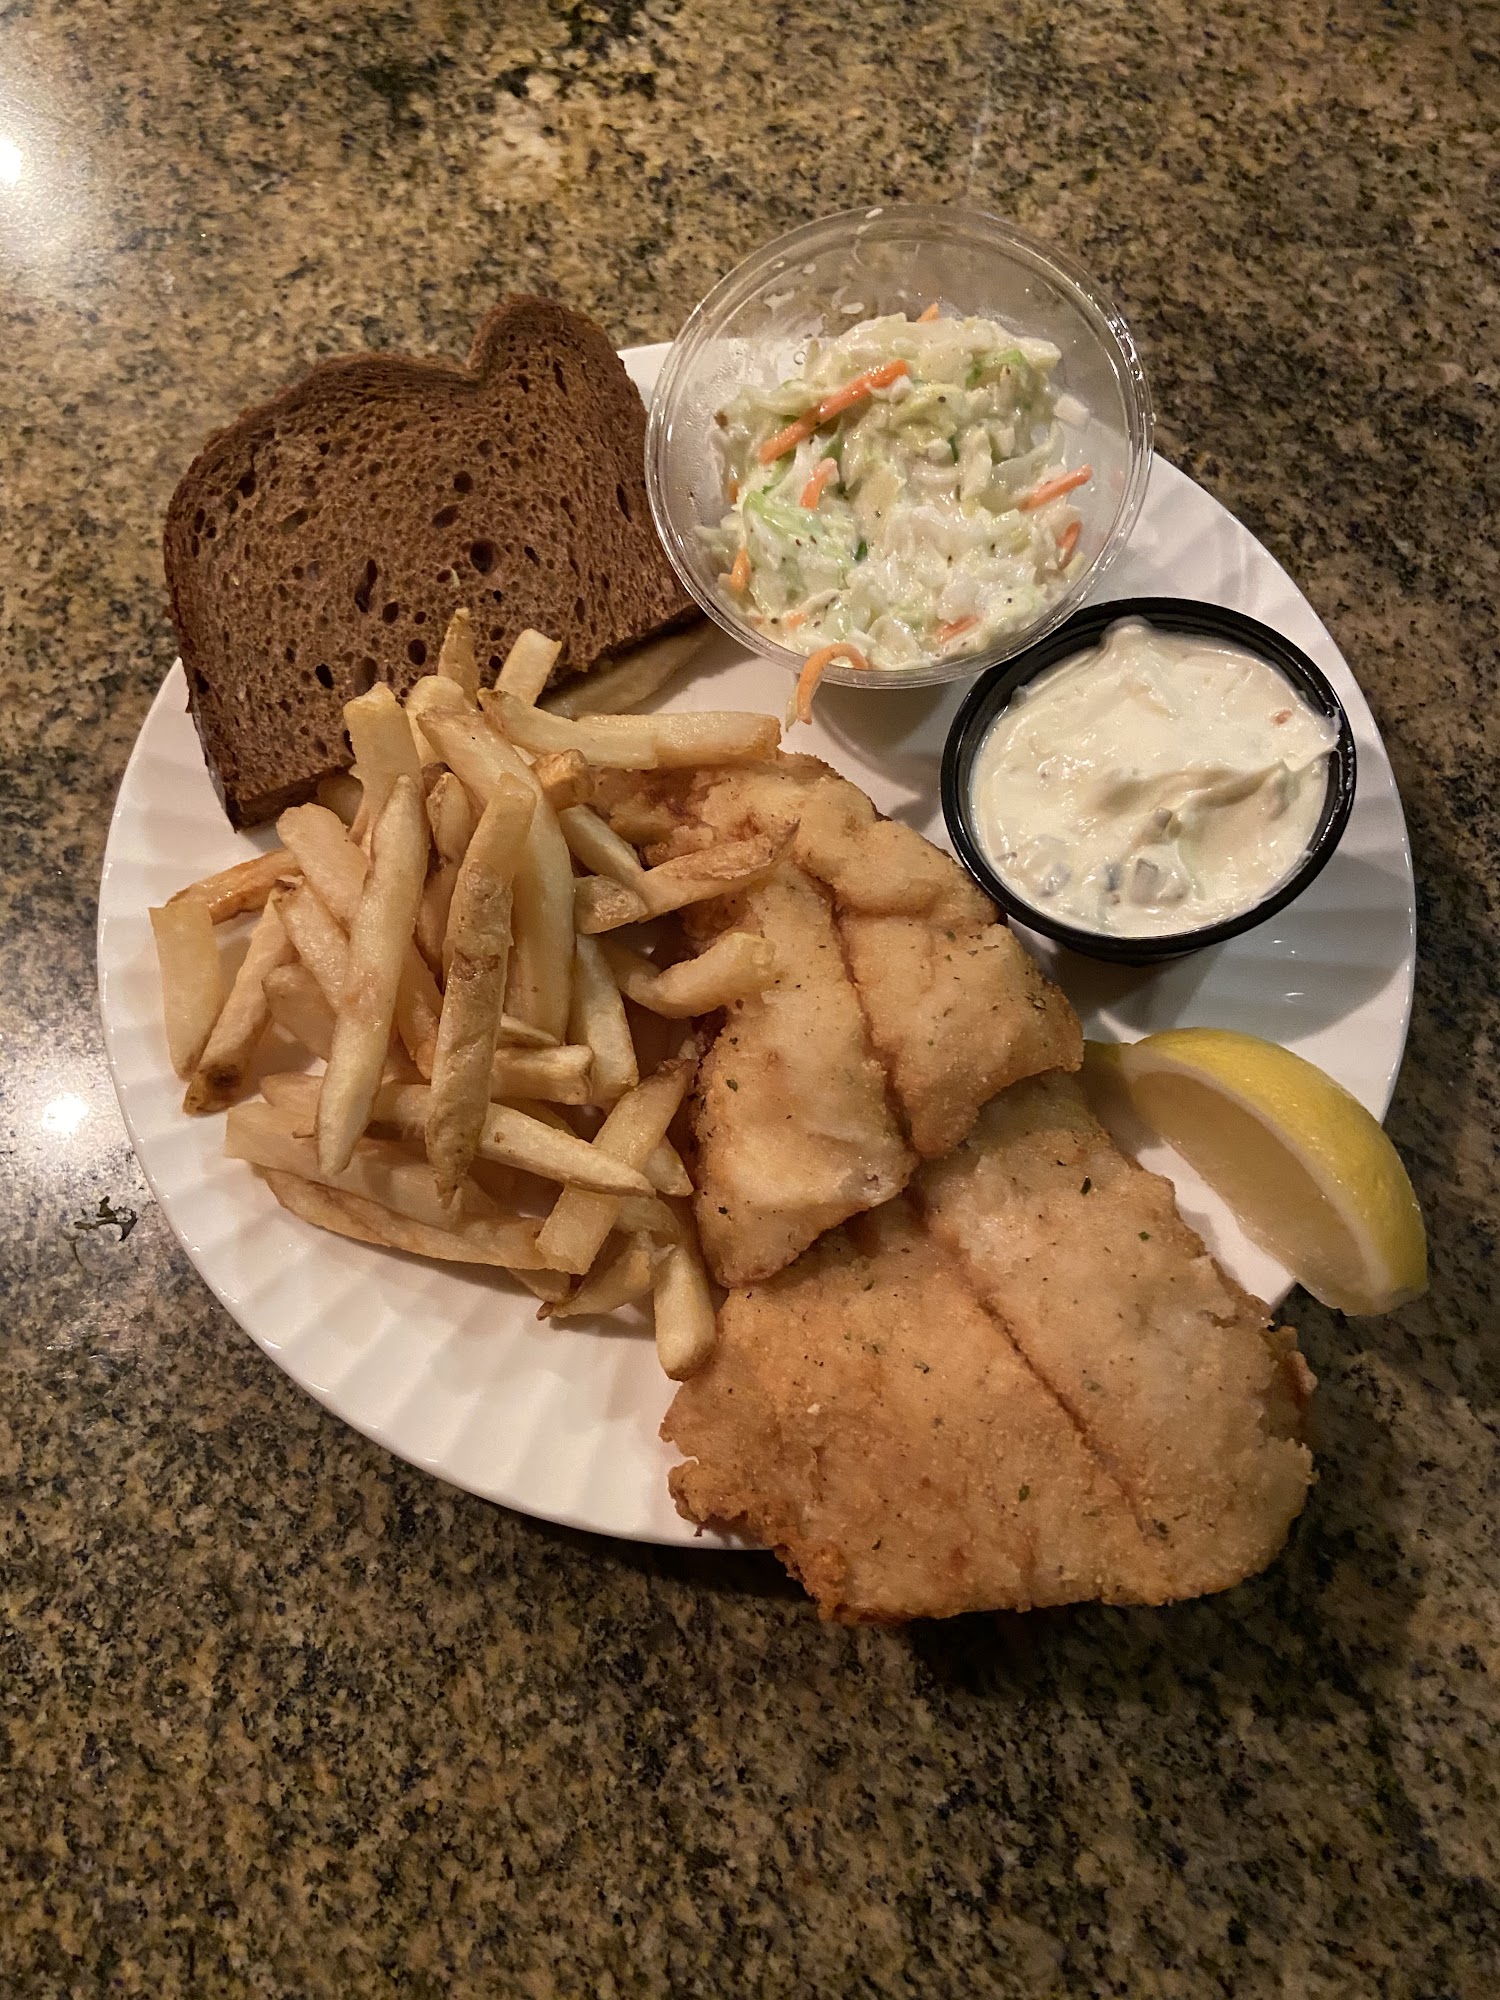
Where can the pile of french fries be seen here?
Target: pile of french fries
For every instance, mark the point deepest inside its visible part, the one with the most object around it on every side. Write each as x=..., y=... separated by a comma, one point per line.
x=453, y=933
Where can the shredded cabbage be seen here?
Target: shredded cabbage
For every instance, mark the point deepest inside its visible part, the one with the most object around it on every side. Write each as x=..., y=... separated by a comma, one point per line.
x=919, y=531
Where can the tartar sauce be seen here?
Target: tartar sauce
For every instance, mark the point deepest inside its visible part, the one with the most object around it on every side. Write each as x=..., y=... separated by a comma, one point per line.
x=1154, y=784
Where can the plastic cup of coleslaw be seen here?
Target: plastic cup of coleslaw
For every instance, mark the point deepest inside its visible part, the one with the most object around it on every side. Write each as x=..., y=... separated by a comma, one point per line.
x=820, y=281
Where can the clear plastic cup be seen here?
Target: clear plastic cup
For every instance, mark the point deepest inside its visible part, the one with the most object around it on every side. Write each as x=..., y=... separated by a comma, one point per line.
x=821, y=279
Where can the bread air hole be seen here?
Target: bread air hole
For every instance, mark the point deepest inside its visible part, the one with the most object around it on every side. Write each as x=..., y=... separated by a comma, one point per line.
x=324, y=673
x=622, y=500
x=365, y=675
x=363, y=590
x=463, y=482
x=416, y=652
x=389, y=613
x=482, y=556
x=445, y=517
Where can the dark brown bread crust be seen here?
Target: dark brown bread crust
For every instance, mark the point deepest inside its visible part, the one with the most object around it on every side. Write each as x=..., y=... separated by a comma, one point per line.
x=322, y=541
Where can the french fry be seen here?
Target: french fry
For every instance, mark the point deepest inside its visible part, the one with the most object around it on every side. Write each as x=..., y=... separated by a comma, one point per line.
x=342, y=793
x=709, y=736
x=456, y=660
x=566, y=777
x=419, y=1006
x=648, y=1215
x=686, y=1329
x=508, y=1245
x=638, y=742
x=631, y=678
x=243, y=887
x=432, y=913
x=527, y=665
x=521, y=1035
x=665, y=1171
x=379, y=939
x=268, y=1135
x=432, y=691
x=336, y=867
x=596, y=1017
x=450, y=816
x=318, y=939
x=294, y=1093
x=319, y=844
x=602, y=905
x=192, y=979
x=476, y=951
x=551, y=1287
x=297, y=1090
x=298, y=1006
x=598, y=848
x=618, y=1280
x=736, y=964
x=517, y=1139
x=625, y=745
x=541, y=966
x=429, y=695
x=574, y=1233
x=384, y=750
x=559, y=1076
x=719, y=870
x=230, y=1049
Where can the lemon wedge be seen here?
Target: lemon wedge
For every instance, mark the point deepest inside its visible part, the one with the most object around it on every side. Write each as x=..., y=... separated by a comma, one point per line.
x=1309, y=1174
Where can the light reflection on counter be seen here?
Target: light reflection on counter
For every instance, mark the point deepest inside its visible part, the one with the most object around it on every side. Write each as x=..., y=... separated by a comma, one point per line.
x=48, y=207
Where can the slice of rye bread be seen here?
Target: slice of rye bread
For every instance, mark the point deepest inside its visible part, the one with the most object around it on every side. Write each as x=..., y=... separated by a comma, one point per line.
x=322, y=541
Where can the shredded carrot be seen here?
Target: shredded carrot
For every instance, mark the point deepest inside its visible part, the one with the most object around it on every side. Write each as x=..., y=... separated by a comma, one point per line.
x=732, y=490
x=787, y=440
x=813, y=669
x=739, y=576
x=812, y=492
x=1053, y=489
x=834, y=404
x=792, y=620
x=1067, y=541
x=929, y=314
x=955, y=628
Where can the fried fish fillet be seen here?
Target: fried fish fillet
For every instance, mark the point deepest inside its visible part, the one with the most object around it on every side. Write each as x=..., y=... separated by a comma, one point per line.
x=900, y=1006
x=1023, y=1383
x=792, y=1120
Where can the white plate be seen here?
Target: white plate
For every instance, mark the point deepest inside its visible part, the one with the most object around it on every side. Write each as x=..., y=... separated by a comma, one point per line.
x=452, y=1372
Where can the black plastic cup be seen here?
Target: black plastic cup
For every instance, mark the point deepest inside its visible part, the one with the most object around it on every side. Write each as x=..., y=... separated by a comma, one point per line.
x=1083, y=631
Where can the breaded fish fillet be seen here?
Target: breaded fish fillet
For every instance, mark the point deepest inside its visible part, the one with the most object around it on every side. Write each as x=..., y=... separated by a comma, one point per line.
x=825, y=1090
x=1163, y=1364
x=792, y=1120
x=1023, y=1383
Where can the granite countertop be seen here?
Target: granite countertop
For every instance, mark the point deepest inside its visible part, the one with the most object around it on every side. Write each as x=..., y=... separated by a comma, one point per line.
x=283, y=1716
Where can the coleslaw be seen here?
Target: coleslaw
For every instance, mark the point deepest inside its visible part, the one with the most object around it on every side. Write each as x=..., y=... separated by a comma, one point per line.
x=902, y=498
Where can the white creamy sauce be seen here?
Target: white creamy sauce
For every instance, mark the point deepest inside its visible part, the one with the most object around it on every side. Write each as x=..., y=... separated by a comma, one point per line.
x=1155, y=784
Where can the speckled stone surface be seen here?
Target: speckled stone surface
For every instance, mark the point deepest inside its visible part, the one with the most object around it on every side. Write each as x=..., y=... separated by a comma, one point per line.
x=279, y=1716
